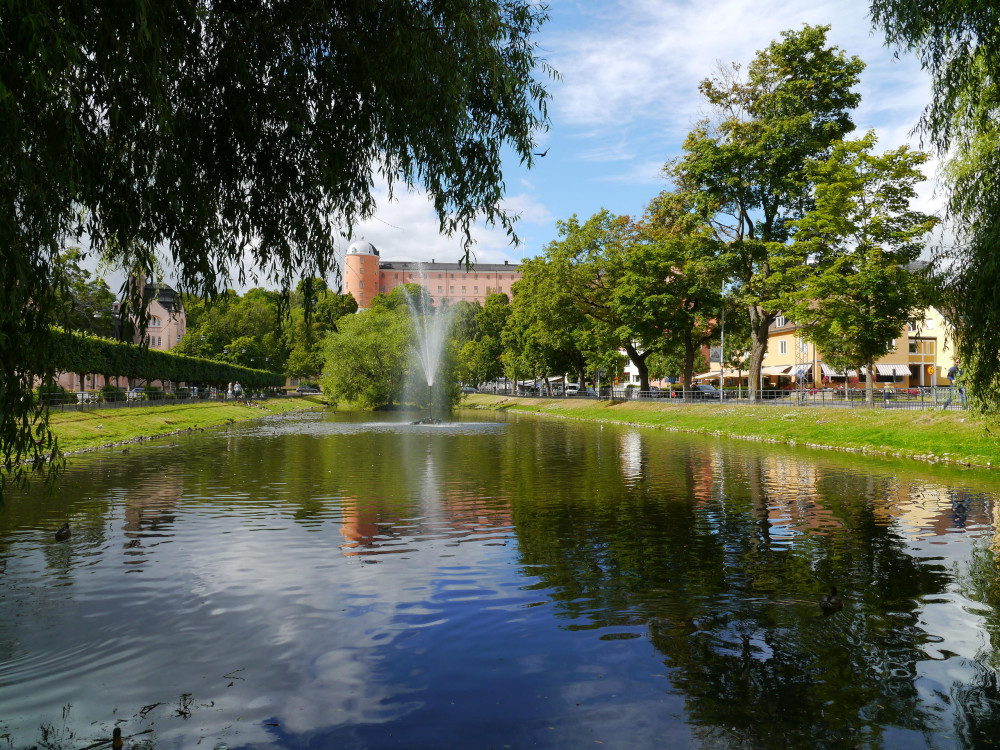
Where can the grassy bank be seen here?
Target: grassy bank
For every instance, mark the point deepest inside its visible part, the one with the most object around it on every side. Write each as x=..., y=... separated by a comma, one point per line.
x=86, y=430
x=952, y=437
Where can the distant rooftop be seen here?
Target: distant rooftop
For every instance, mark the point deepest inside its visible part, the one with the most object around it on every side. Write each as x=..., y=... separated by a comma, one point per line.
x=417, y=267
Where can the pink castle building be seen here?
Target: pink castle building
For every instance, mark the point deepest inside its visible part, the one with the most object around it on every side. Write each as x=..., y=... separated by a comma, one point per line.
x=366, y=274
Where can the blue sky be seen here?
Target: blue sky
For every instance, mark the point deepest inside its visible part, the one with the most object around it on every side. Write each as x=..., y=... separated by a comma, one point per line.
x=627, y=97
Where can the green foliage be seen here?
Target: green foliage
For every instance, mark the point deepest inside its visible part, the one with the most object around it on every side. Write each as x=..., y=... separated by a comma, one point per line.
x=73, y=352
x=748, y=165
x=239, y=134
x=959, y=44
x=854, y=292
x=479, y=359
x=367, y=358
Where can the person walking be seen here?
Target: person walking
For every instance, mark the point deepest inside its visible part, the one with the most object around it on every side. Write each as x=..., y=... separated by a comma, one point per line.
x=238, y=390
x=954, y=380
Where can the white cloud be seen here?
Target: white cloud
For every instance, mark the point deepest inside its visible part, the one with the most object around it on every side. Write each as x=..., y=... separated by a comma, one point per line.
x=407, y=227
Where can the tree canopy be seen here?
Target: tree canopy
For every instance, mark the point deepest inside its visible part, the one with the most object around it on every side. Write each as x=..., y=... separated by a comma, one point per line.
x=747, y=163
x=851, y=266
x=959, y=44
x=239, y=138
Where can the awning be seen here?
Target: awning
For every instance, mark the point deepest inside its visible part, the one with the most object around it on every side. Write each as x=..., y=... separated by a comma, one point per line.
x=775, y=370
x=802, y=371
x=713, y=375
x=830, y=372
x=903, y=370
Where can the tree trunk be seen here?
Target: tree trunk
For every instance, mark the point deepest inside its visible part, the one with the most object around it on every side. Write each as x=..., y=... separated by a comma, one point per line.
x=639, y=360
x=759, y=323
x=870, y=382
x=689, y=352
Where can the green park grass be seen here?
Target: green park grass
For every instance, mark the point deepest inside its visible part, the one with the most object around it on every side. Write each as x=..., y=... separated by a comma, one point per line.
x=97, y=428
x=937, y=436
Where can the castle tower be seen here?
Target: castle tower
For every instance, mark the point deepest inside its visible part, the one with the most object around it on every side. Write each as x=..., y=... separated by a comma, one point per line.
x=361, y=272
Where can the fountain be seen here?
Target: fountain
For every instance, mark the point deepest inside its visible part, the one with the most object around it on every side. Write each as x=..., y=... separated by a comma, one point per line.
x=431, y=328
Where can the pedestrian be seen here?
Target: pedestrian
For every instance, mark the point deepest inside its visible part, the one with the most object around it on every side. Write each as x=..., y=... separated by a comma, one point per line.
x=238, y=390
x=229, y=393
x=954, y=380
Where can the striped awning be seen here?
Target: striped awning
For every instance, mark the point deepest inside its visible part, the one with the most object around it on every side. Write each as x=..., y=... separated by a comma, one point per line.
x=775, y=370
x=802, y=371
x=829, y=371
x=903, y=370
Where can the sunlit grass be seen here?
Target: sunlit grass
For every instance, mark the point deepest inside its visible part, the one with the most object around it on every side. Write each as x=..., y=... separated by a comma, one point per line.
x=82, y=430
x=952, y=436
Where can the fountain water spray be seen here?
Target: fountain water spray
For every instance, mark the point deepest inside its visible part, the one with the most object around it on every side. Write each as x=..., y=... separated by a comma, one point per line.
x=431, y=329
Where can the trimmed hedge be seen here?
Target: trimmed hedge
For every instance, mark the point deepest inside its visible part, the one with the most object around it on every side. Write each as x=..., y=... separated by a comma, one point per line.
x=75, y=352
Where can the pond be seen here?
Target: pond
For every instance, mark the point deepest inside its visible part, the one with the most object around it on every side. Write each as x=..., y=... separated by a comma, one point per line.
x=346, y=580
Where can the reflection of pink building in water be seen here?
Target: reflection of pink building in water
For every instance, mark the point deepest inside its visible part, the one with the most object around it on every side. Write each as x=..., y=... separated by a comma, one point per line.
x=366, y=274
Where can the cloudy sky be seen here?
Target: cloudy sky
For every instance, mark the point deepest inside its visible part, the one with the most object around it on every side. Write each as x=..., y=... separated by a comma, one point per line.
x=627, y=97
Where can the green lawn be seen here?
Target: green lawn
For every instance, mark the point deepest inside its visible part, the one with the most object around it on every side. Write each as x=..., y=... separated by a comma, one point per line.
x=953, y=437
x=82, y=430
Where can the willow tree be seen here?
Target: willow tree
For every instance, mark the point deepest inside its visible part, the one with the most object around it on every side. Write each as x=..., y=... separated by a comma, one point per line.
x=238, y=138
x=749, y=160
x=959, y=44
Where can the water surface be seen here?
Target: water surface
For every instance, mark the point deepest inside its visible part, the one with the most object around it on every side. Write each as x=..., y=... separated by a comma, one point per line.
x=340, y=581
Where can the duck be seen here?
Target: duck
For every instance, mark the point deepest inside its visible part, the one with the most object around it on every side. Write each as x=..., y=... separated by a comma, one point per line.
x=831, y=602
x=63, y=532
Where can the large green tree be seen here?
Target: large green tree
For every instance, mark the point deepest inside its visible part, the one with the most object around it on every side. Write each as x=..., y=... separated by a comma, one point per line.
x=674, y=277
x=240, y=138
x=480, y=358
x=367, y=358
x=613, y=274
x=748, y=162
x=959, y=44
x=854, y=284
x=545, y=306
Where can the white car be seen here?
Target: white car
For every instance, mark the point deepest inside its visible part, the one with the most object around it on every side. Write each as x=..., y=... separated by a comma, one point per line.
x=572, y=389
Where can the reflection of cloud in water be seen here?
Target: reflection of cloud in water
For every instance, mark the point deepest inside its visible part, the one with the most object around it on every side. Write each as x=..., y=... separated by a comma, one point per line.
x=630, y=448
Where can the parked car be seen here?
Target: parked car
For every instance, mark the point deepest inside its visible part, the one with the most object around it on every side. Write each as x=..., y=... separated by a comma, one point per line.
x=305, y=388
x=572, y=389
x=705, y=390
x=469, y=389
x=136, y=394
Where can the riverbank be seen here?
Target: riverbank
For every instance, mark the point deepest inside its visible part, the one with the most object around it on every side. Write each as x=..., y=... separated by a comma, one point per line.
x=935, y=436
x=106, y=428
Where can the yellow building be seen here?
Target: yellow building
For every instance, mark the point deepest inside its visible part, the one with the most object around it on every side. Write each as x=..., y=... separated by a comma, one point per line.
x=920, y=356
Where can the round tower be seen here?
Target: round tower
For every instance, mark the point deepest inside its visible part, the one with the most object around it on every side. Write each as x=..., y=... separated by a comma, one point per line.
x=361, y=272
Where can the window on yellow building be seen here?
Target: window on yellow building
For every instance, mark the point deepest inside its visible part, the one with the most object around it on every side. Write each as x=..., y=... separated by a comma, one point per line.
x=782, y=347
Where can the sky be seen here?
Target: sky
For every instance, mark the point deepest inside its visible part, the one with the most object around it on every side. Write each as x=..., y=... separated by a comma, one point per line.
x=626, y=98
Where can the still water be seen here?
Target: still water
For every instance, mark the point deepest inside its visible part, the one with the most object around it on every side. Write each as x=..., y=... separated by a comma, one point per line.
x=342, y=581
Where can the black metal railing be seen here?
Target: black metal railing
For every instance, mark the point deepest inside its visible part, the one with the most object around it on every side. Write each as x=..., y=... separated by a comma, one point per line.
x=884, y=398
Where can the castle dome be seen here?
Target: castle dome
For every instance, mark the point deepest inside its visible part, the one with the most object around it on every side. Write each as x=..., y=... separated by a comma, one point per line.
x=362, y=247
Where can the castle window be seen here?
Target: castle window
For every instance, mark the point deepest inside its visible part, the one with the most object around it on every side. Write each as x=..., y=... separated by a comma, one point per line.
x=440, y=289
x=475, y=290
x=463, y=290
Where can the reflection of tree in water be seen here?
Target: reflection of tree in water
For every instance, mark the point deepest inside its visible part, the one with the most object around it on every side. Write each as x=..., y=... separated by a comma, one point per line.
x=734, y=613
x=978, y=701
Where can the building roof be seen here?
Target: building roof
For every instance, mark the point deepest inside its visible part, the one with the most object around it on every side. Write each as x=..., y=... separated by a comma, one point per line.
x=433, y=267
